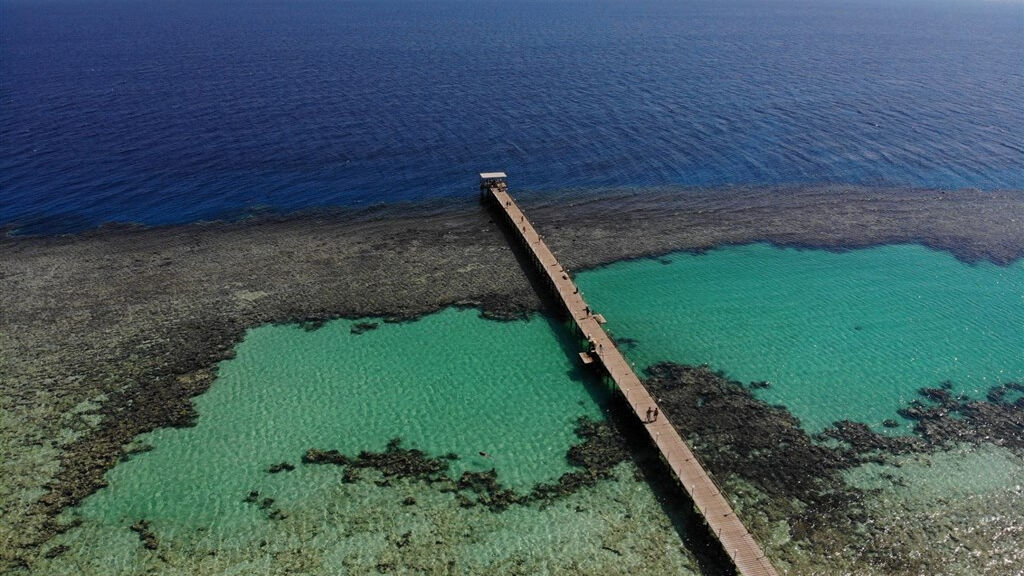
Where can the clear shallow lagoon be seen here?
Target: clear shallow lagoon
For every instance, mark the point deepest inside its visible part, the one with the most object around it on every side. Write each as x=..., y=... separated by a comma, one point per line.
x=848, y=335
x=839, y=335
x=448, y=382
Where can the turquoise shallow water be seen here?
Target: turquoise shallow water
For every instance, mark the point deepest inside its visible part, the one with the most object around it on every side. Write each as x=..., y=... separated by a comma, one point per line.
x=838, y=335
x=450, y=382
x=848, y=335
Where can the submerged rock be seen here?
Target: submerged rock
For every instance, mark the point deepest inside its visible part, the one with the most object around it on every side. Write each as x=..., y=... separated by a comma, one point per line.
x=940, y=395
x=56, y=551
x=313, y=324
x=314, y=456
x=997, y=394
x=280, y=467
x=146, y=536
x=363, y=327
x=479, y=482
x=402, y=462
x=949, y=418
x=601, y=450
x=864, y=441
x=135, y=448
x=489, y=491
x=393, y=461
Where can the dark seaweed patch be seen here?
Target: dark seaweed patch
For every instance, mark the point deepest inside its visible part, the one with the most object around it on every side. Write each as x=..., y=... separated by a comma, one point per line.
x=280, y=467
x=601, y=449
x=363, y=327
x=146, y=536
x=738, y=436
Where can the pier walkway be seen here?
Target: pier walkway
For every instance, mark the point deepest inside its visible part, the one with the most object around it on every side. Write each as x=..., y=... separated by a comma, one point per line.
x=738, y=544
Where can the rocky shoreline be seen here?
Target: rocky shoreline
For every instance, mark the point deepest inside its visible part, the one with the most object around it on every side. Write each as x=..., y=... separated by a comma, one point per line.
x=110, y=334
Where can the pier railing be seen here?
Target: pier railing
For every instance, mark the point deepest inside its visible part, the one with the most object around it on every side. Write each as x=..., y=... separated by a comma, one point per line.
x=707, y=496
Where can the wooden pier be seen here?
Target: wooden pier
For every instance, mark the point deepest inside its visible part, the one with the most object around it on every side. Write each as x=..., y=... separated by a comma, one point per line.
x=736, y=541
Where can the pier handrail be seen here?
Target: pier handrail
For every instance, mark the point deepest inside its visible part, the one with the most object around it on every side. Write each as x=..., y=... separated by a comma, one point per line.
x=705, y=492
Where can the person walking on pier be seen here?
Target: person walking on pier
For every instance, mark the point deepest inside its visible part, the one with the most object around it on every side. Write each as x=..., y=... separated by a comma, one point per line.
x=655, y=414
x=649, y=412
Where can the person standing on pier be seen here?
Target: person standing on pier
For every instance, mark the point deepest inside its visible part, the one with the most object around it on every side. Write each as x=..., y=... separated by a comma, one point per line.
x=649, y=412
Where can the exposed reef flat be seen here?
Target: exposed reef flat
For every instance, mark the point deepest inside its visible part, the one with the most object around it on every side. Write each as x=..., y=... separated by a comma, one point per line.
x=109, y=334
x=971, y=225
x=844, y=503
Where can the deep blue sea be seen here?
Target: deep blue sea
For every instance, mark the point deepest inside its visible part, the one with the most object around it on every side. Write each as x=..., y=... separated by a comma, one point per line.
x=160, y=111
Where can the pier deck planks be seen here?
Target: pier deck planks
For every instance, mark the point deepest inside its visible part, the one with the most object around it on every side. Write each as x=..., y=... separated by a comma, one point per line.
x=739, y=545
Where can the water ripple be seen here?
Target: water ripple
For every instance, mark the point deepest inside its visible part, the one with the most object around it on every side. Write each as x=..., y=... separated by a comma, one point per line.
x=172, y=112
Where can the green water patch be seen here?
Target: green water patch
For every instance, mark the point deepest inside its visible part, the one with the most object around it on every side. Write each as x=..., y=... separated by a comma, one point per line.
x=235, y=495
x=498, y=395
x=836, y=335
